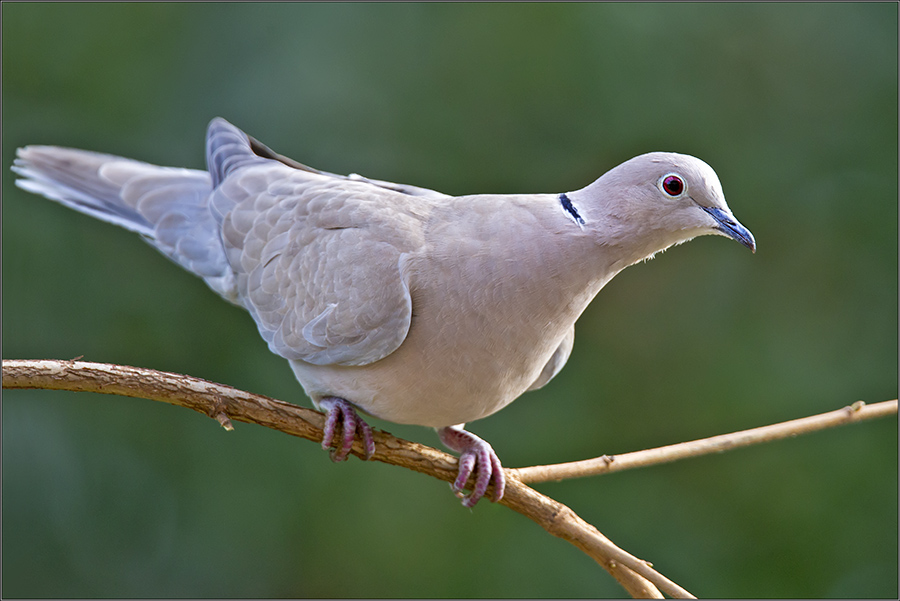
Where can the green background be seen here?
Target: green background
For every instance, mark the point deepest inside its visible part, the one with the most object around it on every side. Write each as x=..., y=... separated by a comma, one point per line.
x=794, y=105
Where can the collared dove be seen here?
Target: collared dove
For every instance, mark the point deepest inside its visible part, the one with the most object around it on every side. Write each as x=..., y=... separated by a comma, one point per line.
x=401, y=302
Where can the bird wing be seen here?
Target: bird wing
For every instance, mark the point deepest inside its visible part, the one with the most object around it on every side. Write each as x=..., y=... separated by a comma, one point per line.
x=320, y=262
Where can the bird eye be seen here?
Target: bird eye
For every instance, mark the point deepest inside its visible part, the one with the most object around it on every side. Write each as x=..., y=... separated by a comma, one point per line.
x=672, y=185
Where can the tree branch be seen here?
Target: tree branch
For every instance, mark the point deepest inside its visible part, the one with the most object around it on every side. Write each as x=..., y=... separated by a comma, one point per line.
x=224, y=404
x=857, y=412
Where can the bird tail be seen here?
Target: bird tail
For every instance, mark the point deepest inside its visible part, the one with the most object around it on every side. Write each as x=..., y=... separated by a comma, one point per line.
x=168, y=206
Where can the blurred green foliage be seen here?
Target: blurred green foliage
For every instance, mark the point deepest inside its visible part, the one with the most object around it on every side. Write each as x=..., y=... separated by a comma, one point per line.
x=795, y=106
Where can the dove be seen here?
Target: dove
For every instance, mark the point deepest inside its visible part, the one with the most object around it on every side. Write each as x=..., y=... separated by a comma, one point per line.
x=392, y=300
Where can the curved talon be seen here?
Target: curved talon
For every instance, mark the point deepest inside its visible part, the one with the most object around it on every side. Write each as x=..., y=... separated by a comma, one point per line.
x=339, y=409
x=478, y=456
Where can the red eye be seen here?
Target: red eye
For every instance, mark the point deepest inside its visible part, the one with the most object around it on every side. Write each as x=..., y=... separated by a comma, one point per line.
x=672, y=185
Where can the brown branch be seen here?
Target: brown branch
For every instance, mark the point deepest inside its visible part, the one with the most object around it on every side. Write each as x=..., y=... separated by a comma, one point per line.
x=857, y=412
x=225, y=404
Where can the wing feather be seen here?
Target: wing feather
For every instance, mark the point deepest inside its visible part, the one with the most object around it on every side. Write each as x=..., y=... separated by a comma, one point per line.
x=318, y=260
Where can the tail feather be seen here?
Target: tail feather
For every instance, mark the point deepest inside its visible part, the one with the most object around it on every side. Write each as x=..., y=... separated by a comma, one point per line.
x=167, y=206
x=71, y=177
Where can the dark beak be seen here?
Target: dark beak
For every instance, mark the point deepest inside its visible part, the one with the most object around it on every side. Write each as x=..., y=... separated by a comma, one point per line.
x=728, y=225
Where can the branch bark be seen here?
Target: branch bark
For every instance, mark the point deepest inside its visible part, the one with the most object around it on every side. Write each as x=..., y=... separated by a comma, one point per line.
x=224, y=404
x=605, y=464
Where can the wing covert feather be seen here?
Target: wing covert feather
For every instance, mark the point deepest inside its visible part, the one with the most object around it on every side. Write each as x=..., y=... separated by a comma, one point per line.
x=319, y=262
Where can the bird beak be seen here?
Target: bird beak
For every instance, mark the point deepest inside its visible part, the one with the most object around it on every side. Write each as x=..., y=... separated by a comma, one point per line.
x=729, y=226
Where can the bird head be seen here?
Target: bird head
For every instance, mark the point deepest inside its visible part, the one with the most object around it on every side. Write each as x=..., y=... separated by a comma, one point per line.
x=657, y=200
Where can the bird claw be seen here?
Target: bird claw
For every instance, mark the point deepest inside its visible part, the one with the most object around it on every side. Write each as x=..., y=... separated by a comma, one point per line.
x=351, y=423
x=477, y=456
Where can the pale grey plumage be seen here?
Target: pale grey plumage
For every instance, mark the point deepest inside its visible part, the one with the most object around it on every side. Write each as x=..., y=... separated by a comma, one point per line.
x=414, y=306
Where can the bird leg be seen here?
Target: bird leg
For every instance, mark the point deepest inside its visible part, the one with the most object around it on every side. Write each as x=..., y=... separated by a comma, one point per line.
x=340, y=410
x=475, y=454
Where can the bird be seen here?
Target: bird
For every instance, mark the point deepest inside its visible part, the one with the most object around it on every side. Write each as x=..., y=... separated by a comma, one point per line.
x=391, y=300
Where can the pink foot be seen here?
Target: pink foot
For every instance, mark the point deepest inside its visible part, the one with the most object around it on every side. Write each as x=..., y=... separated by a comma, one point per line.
x=341, y=410
x=475, y=454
